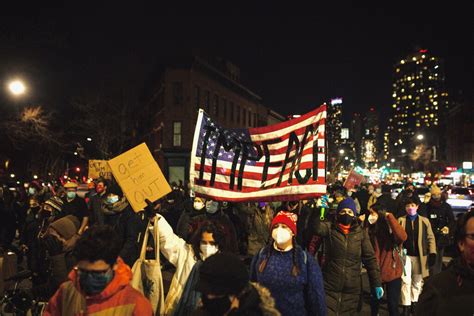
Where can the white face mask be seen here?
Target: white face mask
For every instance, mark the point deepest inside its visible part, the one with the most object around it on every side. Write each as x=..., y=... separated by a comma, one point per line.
x=372, y=218
x=281, y=235
x=198, y=206
x=207, y=250
x=378, y=190
x=349, y=193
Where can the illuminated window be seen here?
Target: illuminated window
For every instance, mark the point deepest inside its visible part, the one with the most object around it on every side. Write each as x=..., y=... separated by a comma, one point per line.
x=177, y=134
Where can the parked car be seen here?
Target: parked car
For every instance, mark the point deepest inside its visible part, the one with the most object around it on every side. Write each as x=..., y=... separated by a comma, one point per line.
x=461, y=199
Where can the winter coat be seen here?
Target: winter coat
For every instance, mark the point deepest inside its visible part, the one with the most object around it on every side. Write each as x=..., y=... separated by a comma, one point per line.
x=131, y=228
x=294, y=295
x=181, y=255
x=255, y=301
x=426, y=241
x=440, y=215
x=386, y=252
x=342, y=267
x=450, y=292
x=118, y=298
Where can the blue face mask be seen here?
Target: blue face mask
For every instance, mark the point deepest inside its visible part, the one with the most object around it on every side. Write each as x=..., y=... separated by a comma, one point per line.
x=112, y=199
x=93, y=283
x=71, y=195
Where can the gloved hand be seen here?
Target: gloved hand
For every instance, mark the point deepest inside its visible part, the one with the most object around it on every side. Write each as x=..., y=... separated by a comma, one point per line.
x=431, y=259
x=53, y=245
x=151, y=208
x=379, y=292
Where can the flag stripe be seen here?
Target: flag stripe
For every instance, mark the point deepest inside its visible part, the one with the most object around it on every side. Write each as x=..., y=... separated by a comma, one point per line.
x=208, y=135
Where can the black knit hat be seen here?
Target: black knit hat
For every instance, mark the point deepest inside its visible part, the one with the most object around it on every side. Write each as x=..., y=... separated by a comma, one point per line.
x=222, y=274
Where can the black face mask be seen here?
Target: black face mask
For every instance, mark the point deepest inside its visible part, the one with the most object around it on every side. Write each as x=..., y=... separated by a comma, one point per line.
x=345, y=219
x=216, y=306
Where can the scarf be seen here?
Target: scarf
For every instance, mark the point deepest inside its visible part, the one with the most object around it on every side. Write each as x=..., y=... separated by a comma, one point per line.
x=412, y=217
x=344, y=228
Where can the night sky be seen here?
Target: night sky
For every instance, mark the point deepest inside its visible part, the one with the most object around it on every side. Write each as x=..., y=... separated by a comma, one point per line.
x=295, y=57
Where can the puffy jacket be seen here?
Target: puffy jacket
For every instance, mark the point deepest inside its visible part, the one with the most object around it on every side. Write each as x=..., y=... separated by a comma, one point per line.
x=342, y=268
x=118, y=298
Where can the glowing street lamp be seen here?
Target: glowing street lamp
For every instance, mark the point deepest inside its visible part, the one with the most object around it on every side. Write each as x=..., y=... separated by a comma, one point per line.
x=404, y=150
x=392, y=160
x=17, y=87
x=341, y=151
x=12, y=175
x=420, y=136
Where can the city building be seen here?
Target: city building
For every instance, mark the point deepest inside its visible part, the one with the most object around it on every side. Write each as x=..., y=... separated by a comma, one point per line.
x=460, y=144
x=180, y=90
x=420, y=104
x=356, y=134
x=370, y=140
x=333, y=130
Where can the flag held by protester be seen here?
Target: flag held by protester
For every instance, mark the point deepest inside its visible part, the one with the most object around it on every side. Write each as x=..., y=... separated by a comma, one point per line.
x=281, y=162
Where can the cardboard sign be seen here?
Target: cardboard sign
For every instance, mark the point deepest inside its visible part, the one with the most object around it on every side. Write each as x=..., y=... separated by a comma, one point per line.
x=99, y=169
x=353, y=179
x=139, y=176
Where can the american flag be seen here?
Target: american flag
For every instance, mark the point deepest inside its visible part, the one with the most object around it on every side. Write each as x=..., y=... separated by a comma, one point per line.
x=281, y=162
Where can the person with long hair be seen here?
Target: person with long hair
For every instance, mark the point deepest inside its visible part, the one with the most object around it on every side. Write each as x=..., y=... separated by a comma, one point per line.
x=387, y=237
x=182, y=297
x=291, y=274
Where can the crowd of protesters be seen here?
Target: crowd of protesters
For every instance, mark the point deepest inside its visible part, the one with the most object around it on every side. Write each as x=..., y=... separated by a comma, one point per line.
x=267, y=258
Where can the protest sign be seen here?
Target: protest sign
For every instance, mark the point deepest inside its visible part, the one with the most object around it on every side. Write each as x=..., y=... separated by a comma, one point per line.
x=280, y=162
x=99, y=169
x=353, y=179
x=139, y=176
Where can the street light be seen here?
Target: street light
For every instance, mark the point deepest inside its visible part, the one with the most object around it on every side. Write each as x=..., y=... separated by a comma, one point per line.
x=12, y=175
x=392, y=160
x=341, y=151
x=404, y=150
x=17, y=87
x=89, y=139
x=420, y=136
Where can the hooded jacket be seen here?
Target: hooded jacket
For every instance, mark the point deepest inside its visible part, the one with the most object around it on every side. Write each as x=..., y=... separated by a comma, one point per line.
x=118, y=298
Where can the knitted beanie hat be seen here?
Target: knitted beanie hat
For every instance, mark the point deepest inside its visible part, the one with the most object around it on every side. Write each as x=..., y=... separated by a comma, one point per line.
x=287, y=218
x=222, y=274
x=56, y=203
x=66, y=226
x=347, y=203
x=435, y=190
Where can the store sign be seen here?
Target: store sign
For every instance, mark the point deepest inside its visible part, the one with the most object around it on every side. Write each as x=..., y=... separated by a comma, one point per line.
x=467, y=165
x=451, y=168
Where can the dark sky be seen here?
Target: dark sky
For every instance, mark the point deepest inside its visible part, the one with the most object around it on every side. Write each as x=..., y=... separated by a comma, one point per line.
x=295, y=57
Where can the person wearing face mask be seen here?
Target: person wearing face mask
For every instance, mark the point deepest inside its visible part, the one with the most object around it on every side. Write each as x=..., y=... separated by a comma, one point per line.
x=100, y=281
x=451, y=292
x=347, y=246
x=187, y=258
x=225, y=289
x=407, y=194
x=420, y=254
x=442, y=222
x=290, y=273
x=387, y=237
x=75, y=205
x=207, y=210
x=376, y=192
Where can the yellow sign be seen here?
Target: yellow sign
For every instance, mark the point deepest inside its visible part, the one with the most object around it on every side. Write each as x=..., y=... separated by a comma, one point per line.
x=139, y=176
x=99, y=169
